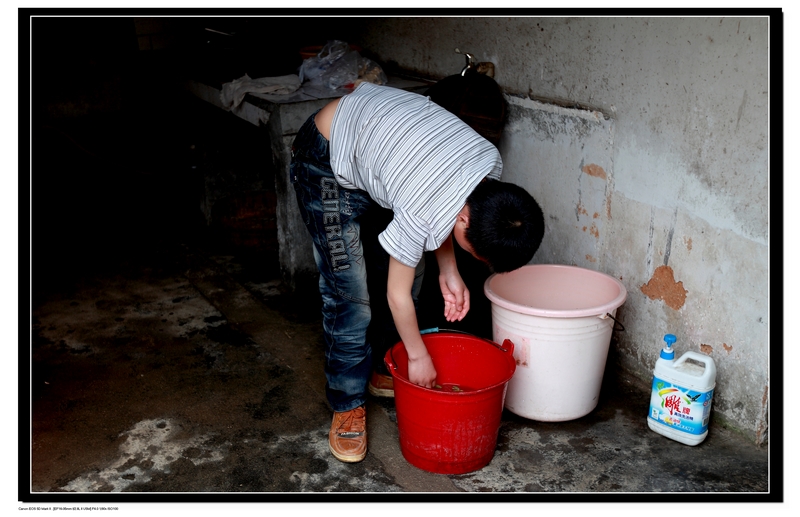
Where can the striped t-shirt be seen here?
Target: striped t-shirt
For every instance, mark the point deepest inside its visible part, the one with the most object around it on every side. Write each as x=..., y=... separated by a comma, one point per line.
x=412, y=156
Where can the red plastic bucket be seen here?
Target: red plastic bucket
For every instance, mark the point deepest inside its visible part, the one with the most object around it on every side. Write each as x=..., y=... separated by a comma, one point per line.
x=452, y=429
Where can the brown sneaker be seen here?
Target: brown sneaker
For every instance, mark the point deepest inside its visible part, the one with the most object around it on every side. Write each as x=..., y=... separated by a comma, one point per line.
x=381, y=385
x=347, y=439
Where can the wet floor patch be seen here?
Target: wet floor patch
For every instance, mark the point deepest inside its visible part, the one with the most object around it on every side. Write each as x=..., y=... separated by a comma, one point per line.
x=117, y=352
x=330, y=474
x=150, y=448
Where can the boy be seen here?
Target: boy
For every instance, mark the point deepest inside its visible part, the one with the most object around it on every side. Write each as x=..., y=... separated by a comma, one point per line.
x=384, y=147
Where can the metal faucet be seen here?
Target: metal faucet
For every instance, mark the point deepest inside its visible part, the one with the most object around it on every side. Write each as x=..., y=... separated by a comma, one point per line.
x=470, y=62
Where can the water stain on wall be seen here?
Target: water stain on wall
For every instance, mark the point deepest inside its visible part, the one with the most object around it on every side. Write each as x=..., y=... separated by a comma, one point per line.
x=662, y=286
x=763, y=426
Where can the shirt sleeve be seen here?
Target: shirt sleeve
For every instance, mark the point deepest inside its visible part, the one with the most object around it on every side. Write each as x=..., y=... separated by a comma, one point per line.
x=405, y=238
x=497, y=171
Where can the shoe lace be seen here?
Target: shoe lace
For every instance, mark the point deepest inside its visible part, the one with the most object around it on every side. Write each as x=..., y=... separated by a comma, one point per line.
x=353, y=423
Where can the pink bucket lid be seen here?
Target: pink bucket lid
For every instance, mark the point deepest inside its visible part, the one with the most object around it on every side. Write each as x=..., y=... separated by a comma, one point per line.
x=555, y=291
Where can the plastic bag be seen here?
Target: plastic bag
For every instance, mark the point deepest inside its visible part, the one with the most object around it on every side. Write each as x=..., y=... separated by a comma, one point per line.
x=370, y=72
x=343, y=72
x=339, y=66
x=313, y=67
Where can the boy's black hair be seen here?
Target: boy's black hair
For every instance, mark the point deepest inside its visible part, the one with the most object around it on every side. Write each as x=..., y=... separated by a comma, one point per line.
x=506, y=225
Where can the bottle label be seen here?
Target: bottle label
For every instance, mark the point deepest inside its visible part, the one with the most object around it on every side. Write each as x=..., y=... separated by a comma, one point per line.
x=679, y=408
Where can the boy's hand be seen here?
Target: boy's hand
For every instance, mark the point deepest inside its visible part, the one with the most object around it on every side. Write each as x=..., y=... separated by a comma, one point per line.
x=454, y=290
x=421, y=371
x=455, y=294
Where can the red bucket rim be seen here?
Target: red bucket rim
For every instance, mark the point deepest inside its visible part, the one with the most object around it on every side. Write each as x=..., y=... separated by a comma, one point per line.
x=446, y=334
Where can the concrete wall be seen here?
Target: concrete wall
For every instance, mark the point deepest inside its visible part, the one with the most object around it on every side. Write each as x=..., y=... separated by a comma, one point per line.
x=645, y=140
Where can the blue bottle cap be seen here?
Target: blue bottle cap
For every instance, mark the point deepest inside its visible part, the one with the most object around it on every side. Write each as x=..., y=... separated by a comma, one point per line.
x=667, y=353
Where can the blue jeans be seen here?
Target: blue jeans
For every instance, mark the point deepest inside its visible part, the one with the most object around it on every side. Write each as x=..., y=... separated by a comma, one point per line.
x=344, y=225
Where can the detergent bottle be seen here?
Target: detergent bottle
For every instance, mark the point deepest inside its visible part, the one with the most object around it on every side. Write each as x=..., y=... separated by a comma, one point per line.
x=680, y=400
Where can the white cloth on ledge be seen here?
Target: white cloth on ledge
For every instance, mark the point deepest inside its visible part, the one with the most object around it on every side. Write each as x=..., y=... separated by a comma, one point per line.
x=233, y=93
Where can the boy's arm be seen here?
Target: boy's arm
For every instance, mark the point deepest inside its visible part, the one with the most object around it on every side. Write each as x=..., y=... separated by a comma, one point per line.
x=454, y=290
x=398, y=293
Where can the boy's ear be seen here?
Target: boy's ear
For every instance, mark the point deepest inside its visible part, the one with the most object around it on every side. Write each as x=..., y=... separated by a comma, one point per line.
x=463, y=216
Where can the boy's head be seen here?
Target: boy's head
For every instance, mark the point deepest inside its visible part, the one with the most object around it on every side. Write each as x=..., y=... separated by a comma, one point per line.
x=502, y=224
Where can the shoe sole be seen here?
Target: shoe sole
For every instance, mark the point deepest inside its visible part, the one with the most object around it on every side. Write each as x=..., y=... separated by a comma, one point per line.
x=379, y=392
x=346, y=459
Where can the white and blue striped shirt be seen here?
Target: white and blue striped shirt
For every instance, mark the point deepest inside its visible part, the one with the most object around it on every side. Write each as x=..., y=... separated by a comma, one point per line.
x=412, y=156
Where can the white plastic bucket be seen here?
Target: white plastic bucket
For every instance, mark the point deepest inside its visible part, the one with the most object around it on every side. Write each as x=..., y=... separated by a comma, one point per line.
x=560, y=319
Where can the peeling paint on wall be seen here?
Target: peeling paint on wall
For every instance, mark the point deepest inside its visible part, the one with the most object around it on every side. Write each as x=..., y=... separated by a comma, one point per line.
x=662, y=286
x=706, y=349
x=727, y=347
x=592, y=230
x=594, y=170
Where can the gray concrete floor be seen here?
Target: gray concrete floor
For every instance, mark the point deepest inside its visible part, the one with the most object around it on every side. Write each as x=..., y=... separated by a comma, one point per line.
x=179, y=371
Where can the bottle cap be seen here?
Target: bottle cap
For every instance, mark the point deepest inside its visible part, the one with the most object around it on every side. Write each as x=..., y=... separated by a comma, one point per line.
x=667, y=353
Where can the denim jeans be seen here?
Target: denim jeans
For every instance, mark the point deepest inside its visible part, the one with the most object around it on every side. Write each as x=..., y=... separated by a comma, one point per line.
x=334, y=217
x=344, y=225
